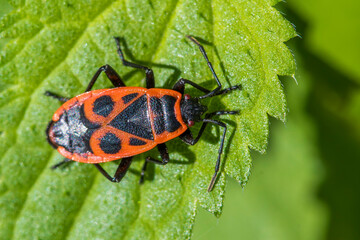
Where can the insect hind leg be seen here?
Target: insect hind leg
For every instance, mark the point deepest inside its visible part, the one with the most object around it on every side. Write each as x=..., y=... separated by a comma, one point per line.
x=120, y=171
x=56, y=96
x=59, y=164
x=164, y=160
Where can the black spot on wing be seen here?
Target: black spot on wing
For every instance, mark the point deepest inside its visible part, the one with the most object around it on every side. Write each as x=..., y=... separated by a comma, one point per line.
x=110, y=143
x=171, y=123
x=129, y=97
x=135, y=119
x=103, y=105
x=136, y=142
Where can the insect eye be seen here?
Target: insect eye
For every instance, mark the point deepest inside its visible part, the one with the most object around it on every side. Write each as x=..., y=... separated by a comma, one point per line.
x=187, y=96
x=191, y=123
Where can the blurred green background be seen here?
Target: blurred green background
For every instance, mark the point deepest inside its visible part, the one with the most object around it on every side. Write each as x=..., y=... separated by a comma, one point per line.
x=307, y=185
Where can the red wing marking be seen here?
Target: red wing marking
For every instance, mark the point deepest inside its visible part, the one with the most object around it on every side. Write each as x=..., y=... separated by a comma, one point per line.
x=119, y=144
x=116, y=95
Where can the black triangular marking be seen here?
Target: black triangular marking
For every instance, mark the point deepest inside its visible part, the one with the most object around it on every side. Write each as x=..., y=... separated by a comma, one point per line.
x=135, y=119
x=136, y=142
x=129, y=97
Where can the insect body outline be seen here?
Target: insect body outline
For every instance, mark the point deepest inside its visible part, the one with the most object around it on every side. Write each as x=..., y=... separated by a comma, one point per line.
x=118, y=123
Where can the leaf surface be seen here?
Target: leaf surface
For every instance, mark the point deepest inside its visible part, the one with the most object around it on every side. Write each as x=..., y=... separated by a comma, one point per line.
x=59, y=45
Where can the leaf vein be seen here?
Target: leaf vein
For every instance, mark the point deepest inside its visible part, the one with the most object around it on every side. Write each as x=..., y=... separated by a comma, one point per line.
x=77, y=213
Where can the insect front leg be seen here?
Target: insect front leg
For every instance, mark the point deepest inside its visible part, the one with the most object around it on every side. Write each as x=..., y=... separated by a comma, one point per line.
x=164, y=160
x=150, y=81
x=217, y=166
x=188, y=138
x=110, y=73
x=180, y=86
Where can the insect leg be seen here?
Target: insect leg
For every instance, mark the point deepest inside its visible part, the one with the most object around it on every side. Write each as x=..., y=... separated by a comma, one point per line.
x=180, y=86
x=189, y=139
x=164, y=157
x=66, y=160
x=227, y=90
x=187, y=136
x=110, y=73
x=120, y=172
x=58, y=97
x=150, y=82
x=217, y=166
x=202, y=50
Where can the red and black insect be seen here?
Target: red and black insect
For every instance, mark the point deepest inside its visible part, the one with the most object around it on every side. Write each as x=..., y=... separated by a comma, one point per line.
x=109, y=124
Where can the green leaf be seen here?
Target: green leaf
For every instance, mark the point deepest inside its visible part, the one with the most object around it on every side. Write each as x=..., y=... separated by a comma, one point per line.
x=281, y=201
x=59, y=46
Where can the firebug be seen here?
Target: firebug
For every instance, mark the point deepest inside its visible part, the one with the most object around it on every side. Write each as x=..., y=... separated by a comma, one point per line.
x=109, y=124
